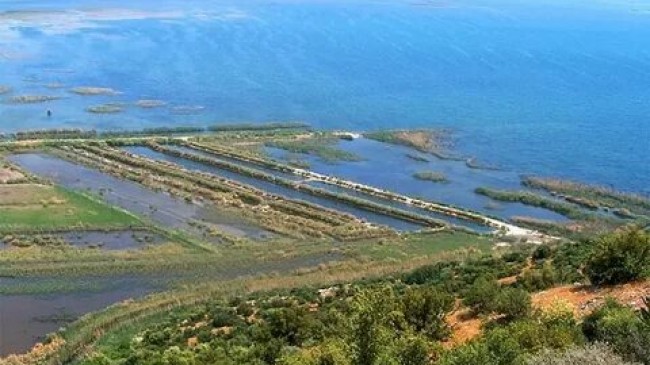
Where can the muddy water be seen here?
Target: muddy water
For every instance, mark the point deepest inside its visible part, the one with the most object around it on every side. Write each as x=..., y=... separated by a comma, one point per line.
x=162, y=208
x=280, y=190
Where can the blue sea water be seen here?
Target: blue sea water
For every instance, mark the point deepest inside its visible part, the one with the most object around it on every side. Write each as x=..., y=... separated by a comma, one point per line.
x=559, y=88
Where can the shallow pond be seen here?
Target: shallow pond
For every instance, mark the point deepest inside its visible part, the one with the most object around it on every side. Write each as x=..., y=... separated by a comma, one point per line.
x=26, y=319
x=166, y=210
x=279, y=190
x=388, y=166
x=112, y=240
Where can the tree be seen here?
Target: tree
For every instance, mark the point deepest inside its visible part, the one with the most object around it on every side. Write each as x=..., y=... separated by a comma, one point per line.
x=413, y=351
x=425, y=310
x=373, y=311
x=620, y=257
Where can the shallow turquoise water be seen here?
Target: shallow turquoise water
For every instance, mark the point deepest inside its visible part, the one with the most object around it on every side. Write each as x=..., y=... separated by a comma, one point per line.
x=549, y=87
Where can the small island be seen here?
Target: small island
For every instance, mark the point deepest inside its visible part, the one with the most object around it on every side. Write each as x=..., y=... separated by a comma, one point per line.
x=150, y=104
x=105, y=109
x=32, y=99
x=433, y=176
x=93, y=91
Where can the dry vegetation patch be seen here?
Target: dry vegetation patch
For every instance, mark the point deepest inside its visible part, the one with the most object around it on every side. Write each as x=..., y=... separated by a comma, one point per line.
x=8, y=175
x=27, y=194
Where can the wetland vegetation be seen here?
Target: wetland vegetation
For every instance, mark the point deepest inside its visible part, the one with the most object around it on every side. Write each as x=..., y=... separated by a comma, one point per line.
x=321, y=147
x=433, y=176
x=247, y=251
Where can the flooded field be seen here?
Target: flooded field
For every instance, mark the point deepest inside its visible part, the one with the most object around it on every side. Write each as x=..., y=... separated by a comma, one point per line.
x=390, y=167
x=26, y=319
x=112, y=240
x=279, y=190
x=161, y=208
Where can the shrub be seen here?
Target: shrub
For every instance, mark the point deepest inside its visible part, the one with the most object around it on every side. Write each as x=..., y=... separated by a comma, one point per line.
x=624, y=330
x=513, y=303
x=592, y=354
x=620, y=257
x=481, y=295
x=538, y=279
x=425, y=310
x=245, y=309
x=541, y=252
x=473, y=353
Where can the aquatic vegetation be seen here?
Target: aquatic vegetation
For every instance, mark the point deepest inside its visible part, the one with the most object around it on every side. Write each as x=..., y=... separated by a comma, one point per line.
x=433, y=176
x=258, y=127
x=436, y=142
x=32, y=99
x=529, y=198
x=93, y=91
x=324, y=148
x=591, y=196
x=418, y=158
x=149, y=104
x=105, y=109
x=55, y=134
x=474, y=163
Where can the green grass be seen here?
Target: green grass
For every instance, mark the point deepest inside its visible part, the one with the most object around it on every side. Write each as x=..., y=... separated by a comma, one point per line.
x=324, y=148
x=71, y=210
x=419, y=244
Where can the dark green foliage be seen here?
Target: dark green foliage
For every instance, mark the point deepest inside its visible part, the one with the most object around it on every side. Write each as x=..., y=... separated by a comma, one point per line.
x=481, y=296
x=627, y=332
x=425, y=310
x=536, y=279
x=620, y=257
x=413, y=351
x=512, y=303
x=541, y=252
x=245, y=309
x=222, y=317
x=569, y=260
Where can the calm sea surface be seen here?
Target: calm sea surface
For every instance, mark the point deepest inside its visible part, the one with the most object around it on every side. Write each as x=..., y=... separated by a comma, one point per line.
x=557, y=88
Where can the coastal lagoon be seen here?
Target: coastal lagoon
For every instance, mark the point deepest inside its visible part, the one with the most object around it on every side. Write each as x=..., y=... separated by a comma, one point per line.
x=548, y=87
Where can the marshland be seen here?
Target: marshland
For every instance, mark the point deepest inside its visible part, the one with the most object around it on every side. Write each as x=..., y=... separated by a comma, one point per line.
x=110, y=216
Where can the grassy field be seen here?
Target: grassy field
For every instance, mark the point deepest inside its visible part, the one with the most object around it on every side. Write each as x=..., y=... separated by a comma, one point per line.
x=39, y=207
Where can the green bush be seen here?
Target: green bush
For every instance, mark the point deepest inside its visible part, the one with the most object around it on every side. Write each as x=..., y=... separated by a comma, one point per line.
x=513, y=303
x=481, y=295
x=620, y=257
x=425, y=310
x=627, y=332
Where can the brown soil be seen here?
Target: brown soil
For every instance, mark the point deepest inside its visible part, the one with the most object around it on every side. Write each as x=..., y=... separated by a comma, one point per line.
x=8, y=175
x=583, y=299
